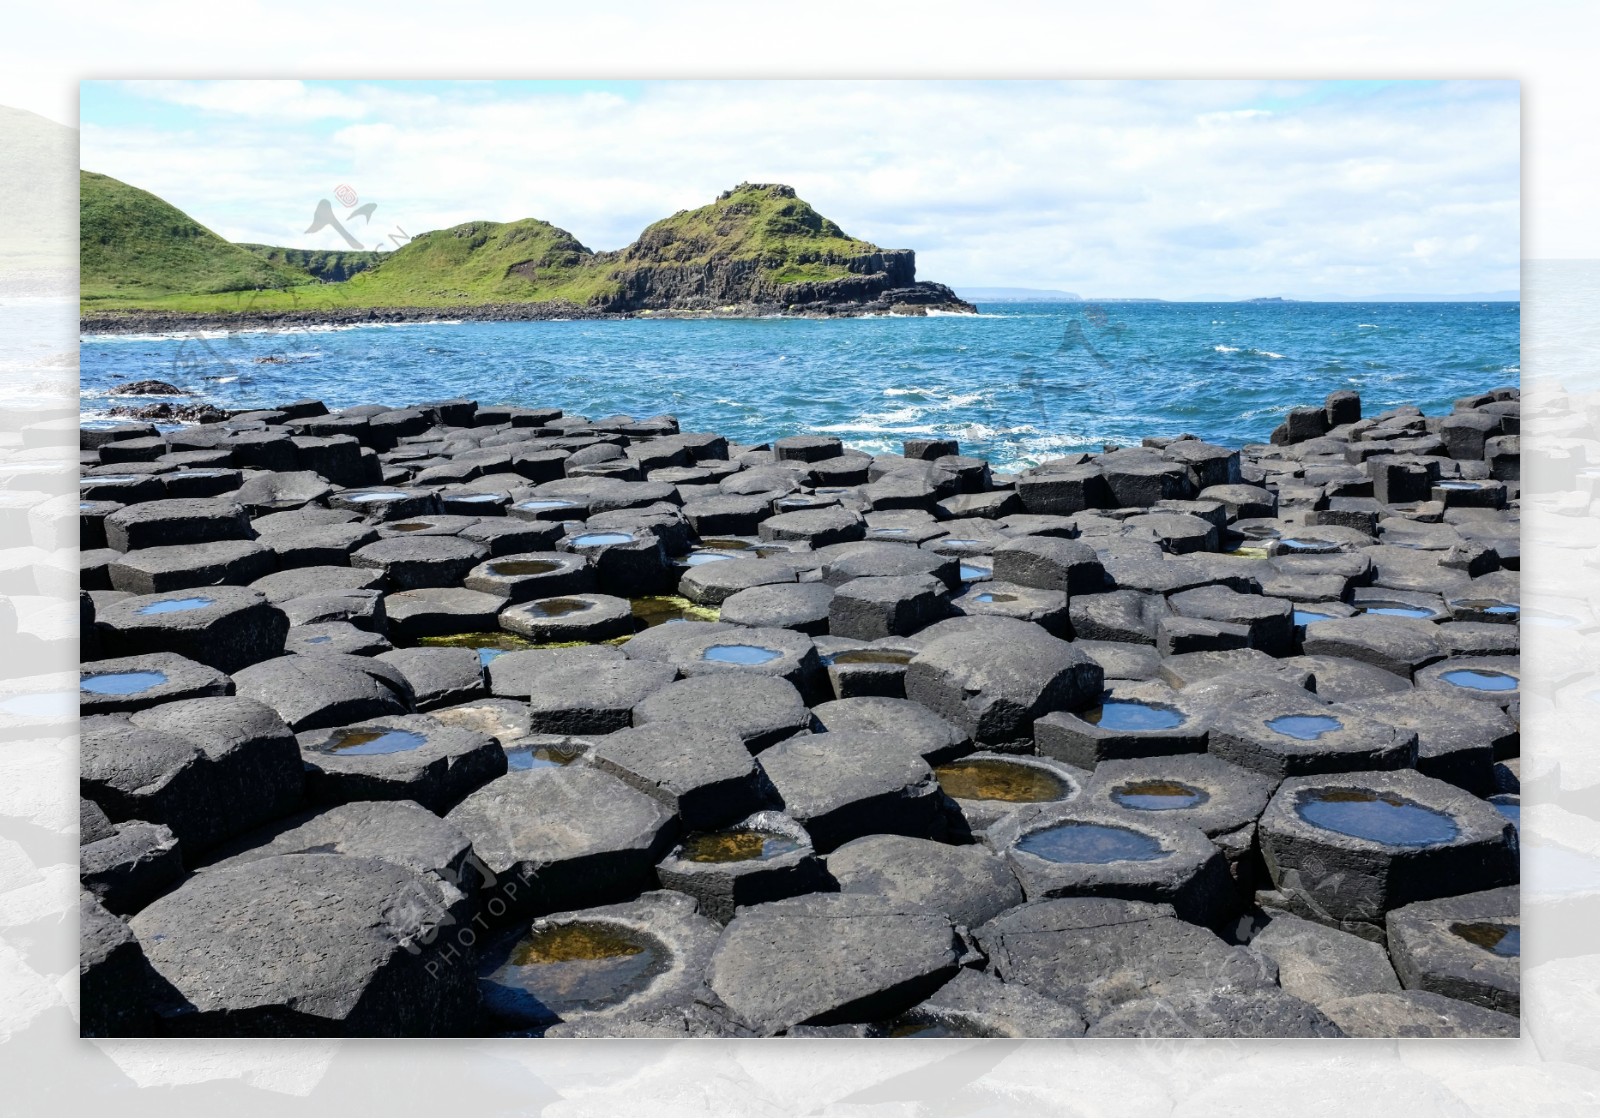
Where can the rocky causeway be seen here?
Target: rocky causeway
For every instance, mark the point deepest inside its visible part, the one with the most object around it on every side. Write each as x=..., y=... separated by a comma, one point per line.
x=455, y=719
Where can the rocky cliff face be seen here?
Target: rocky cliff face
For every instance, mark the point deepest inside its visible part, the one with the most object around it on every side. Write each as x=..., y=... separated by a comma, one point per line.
x=873, y=282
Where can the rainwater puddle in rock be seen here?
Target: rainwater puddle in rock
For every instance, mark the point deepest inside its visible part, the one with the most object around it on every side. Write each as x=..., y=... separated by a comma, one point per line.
x=1310, y=617
x=737, y=845
x=1502, y=940
x=1480, y=681
x=1158, y=796
x=990, y=596
x=1394, y=610
x=488, y=646
x=1132, y=714
x=701, y=557
x=541, y=757
x=525, y=567
x=993, y=779
x=600, y=539
x=373, y=740
x=660, y=610
x=1382, y=817
x=573, y=967
x=1495, y=607
x=870, y=656
x=1307, y=728
x=177, y=605
x=740, y=654
x=121, y=683
x=1090, y=843
x=557, y=607
x=975, y=572
x=539, y=506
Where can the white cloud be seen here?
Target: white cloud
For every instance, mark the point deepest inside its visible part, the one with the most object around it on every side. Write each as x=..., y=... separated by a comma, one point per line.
x=1162, y=188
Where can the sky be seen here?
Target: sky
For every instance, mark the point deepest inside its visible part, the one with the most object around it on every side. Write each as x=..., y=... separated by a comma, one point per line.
x=1167, y=189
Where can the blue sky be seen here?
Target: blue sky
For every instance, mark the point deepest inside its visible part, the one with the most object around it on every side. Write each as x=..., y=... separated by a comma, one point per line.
x=1172, y=189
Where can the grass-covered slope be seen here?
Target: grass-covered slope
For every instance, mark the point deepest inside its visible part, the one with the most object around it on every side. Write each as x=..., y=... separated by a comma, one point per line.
x=325, y=265
x=757, y=245
x=132, y=246
x=763, y=223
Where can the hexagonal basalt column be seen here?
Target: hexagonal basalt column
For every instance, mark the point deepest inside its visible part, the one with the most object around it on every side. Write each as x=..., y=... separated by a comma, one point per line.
x=762, y=858
x=570, y=618
x=1131, y=720
x=531, y=575
x=134, y=683
x=831, y=958
x=1354, y=846
x=1220, y=799
x=846, y=784
x=987, y=788
x=1467, y=947
x=612, y=965
x=1283, y=737
x=226, y=628
x=1077, y=850
x=555, y=837
x=994, y=677
x=403, y=757
x=761, y=710
x=249, y=952
x=1495, y=680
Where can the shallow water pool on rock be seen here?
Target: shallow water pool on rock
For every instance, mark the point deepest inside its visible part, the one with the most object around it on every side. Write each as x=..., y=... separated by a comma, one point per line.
x=541, y=757
x=975, y=572
x=870, y=656
x=993, y=779
x=597, y=539
x=660, y=610
x=488, y=646
x=373, y=740
x=1073, y=842
x=740, y=654
x=737, y=845
x=1132, y=714
x=524, y=567
x=1158, y=796
x=1395, y=610
x=1502, y=940
x=573, y=967
x=557, y=607
x=1382, y=817
x=177, y=605
x=121, y=683
x=1307, y=728
x=1480, y=681
x=1310, y=617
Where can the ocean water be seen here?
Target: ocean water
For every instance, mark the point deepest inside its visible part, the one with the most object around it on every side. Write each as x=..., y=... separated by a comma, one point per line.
x=1018, y=383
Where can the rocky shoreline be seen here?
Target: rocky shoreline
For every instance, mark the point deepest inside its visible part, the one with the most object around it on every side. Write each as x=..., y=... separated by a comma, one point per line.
x=814, y=301
x=452, y=719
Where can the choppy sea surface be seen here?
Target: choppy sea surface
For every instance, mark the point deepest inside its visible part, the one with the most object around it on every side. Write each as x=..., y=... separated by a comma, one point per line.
x=1018, y=383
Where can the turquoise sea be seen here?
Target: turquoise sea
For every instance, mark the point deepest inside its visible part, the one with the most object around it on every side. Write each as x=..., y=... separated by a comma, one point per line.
x=1018, y=383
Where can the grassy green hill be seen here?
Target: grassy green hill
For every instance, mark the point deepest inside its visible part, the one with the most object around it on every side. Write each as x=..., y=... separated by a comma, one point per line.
x=134, y=246
x=749, y=246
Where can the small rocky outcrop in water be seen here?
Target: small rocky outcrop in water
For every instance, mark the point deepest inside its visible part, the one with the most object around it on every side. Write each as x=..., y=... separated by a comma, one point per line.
x=148, y=388
x=453, y=719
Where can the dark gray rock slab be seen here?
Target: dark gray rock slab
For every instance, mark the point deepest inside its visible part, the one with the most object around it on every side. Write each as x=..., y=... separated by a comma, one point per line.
x=826, y=959
x=307, y=945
